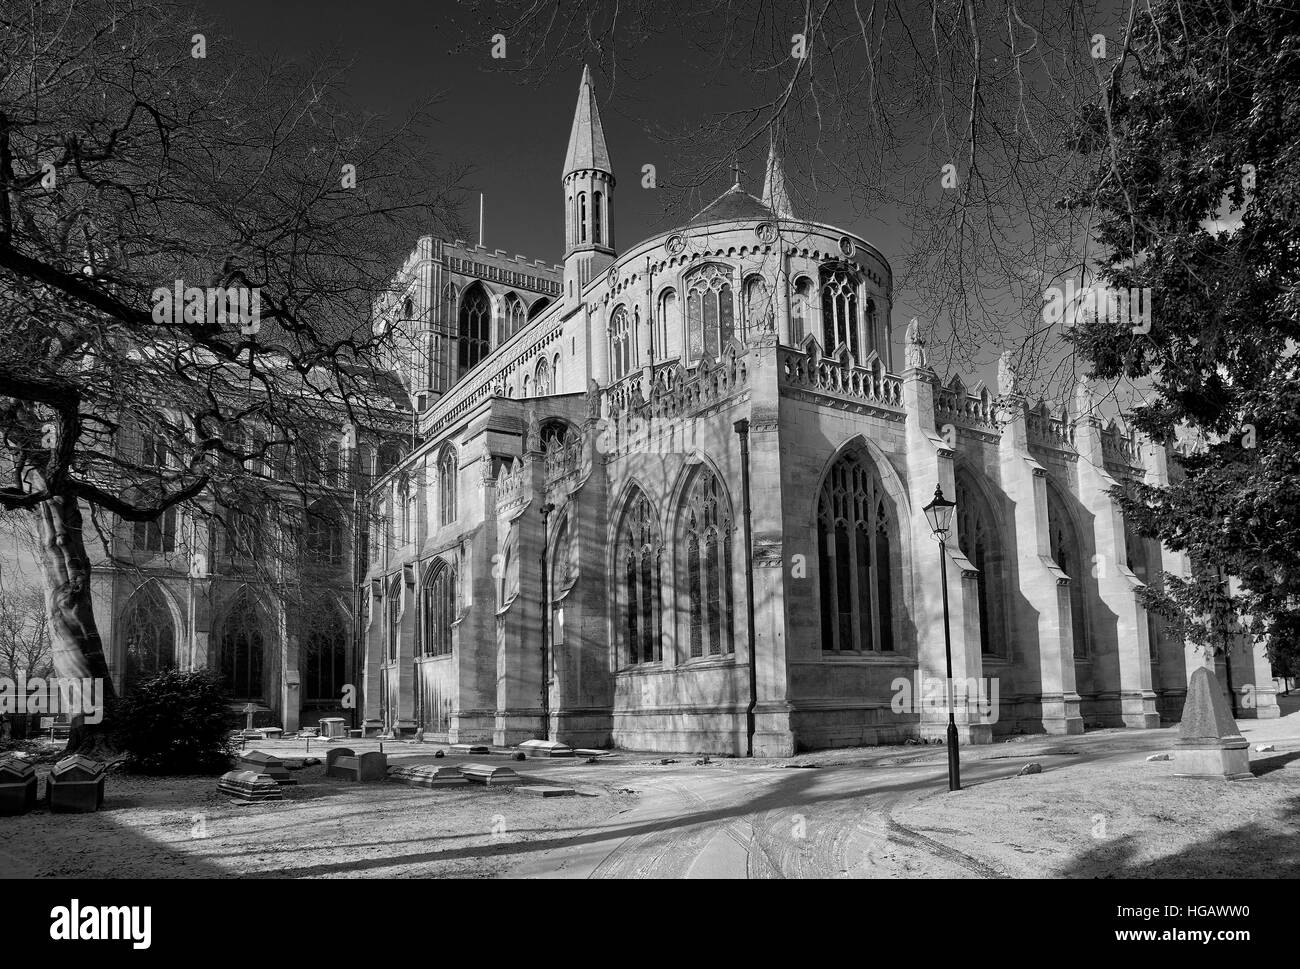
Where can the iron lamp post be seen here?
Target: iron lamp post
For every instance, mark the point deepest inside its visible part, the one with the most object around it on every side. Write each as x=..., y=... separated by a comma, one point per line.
x=938, y=513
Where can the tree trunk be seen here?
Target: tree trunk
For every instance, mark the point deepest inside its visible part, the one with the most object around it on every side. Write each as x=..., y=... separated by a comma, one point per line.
x=74, y=635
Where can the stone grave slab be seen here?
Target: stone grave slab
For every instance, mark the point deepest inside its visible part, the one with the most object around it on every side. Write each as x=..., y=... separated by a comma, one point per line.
x=470, y=749
x=545, y=748
x=17, y=785
x=249, y=786
x=263, y=763
x=427, y=776
x=333, y=727
x=490, y=774
x=544, y=790
x=75, y=785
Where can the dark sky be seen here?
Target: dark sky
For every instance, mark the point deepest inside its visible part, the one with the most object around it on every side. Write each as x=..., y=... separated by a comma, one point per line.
x=514, y=134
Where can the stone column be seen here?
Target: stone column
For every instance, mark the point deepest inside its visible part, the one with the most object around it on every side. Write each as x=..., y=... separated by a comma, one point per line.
x=772, y=733
x=1177, y=658
x=1042, y=607
x=929, y=463
x=372, y=637
x=474, y=651
x=598, y=340
x=519, y=658
x=1121, y=650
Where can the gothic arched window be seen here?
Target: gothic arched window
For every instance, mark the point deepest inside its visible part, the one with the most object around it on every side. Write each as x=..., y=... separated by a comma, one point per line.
x=538, y=307
x=447, y=487
x=148, y=636
x=508, y=588
x=800, y=306
x=596, y=227
x=855, y=559
x=620, y=349
x=636, y=554
x=474, y=330
x=705, y=536
x=840, y=311
x=438, y=612
x=667, y=319
x=157, y=534
x=393, y=605
x=542, y=385
x=324, y=535
x=440, y=376
x=582, y=216
x=325, y=667
x=1138, y=552
x=977, y=537
x=564, y=561
x=710, y=312
x=515, y=315
x=1066, y=553
x=242, y=649
x=758, y=305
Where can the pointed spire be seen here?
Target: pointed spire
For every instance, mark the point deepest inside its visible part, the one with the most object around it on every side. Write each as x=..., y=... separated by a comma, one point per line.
x=587, y=138
x=775, y=196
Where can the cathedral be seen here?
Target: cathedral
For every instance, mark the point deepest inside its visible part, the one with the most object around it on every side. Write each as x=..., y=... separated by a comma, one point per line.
x=670, y=496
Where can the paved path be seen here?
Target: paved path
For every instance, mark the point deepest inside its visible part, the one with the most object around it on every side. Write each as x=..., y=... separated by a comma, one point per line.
x=732, y=819
x=737, y=822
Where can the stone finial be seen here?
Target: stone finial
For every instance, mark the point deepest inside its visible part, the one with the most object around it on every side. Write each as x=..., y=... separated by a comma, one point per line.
x=1084, y=402
x=1007, y=376
x=914, y=352
x=534, y=431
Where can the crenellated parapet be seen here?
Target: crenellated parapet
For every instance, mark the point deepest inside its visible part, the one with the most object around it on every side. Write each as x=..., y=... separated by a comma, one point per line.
x=1122, y=451
x=807, y=373
x=975, y=409
x=1049, y=428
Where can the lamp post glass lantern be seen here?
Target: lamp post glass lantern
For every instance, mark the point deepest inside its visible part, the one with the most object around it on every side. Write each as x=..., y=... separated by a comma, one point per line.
x=939, y=515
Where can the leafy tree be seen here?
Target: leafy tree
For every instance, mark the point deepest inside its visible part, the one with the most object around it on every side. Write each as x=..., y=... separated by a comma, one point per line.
x=141, y=154
x=1195, y=196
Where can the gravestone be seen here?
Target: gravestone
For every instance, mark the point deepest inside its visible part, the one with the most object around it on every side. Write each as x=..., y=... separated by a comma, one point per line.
x=544, y=790
x=470, y=749
x=1210, y=744
x=331, y=758
x=490, y=775
x=545, y=748
x=249, y=786
x=334, y=728
x=426, y=775
x=261, y=763
x=76, y=785
x=341, y=762
x=372, y=766
x=17, y=785
x=371, y=728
